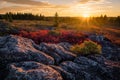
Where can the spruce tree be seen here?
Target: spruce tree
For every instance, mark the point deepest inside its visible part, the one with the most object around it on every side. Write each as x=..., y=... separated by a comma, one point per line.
x=56, y=23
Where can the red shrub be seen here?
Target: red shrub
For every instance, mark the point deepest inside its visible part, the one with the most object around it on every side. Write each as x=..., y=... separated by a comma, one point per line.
x=64, y=36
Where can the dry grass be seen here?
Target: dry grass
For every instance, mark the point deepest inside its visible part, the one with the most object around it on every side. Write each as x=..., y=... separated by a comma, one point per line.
x=31, y=25
x=112, y=33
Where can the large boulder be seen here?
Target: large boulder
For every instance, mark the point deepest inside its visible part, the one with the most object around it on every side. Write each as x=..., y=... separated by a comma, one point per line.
x=83, y=68
x=81, y=72
x=57, y=52
x=17, y=49
x=109, y=50
x=98, y=58
x=98, y=38
x=111, y=53
x=32, y=71
x=65, y=74
x=65, y=45
x=95, y=67
x=28, y=61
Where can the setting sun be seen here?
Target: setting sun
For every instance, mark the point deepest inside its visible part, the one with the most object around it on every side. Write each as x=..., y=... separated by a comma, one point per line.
x=86, y=15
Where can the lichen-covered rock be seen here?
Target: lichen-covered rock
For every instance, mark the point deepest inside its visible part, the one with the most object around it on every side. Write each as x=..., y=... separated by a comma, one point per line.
x=66, y=75
x=85, y=61
x=95, y=68
x=98, y=38
x=109, y=50
x=65, y=45
x=83, y=68
x=27, y=61
x=57, y=52
x=98, y=58
x=32, y=71
x=92, y=67
x=80, y=71
x=16, y=49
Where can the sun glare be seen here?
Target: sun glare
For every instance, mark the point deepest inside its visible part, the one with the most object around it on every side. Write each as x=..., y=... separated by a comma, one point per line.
x=86, y=15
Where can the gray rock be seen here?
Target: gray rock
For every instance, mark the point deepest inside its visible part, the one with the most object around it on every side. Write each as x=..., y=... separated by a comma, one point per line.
x=98, y=58
x=16, y=49
x=109, y=50
x=57, y=52
x=66, y=75
x=72, y=67
x=20, y=53
x=85, y=61
x=81, y=72
x=98, y=38
x=32, y=71
x=65, y=45
x=95, y=68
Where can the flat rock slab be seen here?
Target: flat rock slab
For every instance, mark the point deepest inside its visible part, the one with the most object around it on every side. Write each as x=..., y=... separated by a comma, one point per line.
x=16, y=49
x=32, y=71
x=22, y=59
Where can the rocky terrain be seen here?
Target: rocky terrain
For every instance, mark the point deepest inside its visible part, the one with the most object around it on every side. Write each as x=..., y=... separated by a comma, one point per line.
x=22, y=59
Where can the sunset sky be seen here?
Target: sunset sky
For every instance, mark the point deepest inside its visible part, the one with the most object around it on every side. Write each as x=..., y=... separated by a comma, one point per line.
x=84, y=8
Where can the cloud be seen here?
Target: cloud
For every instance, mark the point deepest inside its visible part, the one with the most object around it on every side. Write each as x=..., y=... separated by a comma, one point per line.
x=28, y=2
x=13, y=9
x=33, y=3
x=26, y=6
x=60, y=6
x=85, y=1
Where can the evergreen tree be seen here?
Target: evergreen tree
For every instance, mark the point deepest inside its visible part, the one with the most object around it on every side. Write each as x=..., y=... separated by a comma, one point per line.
x=6, y=17
x=105, y=17
x=101, y=16
x=56, y=23
x=10, y=17
x=117, y=21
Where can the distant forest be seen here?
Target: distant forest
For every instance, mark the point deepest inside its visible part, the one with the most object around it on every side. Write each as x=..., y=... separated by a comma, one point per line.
x=100, y=20
x=21, y=16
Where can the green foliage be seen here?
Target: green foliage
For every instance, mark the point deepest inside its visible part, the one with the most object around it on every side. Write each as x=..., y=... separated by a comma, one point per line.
x=87, y=47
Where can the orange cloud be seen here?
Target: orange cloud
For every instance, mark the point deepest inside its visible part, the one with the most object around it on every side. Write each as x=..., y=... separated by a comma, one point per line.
x=13, y=9
x=85, y=1
x=28, y=2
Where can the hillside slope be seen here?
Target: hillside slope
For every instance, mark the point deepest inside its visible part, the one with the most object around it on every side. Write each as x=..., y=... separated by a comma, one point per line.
x=22, y=59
